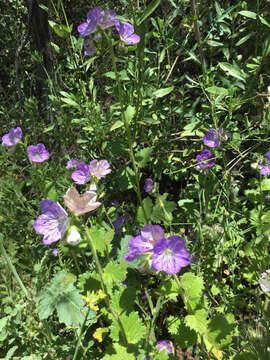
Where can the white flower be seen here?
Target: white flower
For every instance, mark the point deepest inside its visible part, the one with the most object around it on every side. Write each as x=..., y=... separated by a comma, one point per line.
x=264, y=281
x=81, y=204
x=73, y=236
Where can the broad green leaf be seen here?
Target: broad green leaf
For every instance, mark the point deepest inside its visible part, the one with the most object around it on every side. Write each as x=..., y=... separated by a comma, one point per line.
x=169, y=289
x=265, y=184
x=122, y=75
x=149, y=10
x=69, y=306
x=248, y=14
x=119, y=353
x=133, y=326
x=263, y=21
x=143, y=156
x=193, y=290
x=117, y=125
x=70, y=102
x=123, y=299
x=101, y=239
x=183, y=335
x=163, y=209
x=115, y=273
x=11, y=352
x=216, y=90
x=197, y=322
x=220, y=330
x=162, y=92
x=129, y=113
x=233, y=70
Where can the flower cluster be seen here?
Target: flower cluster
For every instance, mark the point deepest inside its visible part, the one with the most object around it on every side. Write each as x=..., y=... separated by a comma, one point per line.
x=103, y=19
x=168, y=254
x=83, y=172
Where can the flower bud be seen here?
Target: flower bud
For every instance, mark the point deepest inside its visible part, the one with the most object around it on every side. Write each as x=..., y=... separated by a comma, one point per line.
x=73, y=236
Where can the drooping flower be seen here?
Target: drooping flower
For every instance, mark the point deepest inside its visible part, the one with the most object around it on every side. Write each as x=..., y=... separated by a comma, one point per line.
x=81, y=204
x=149, y=185
x=52, y=223
x=99, y=168
x=73, y=236
x=12, y=137
x=127, y=32
x=97, y=17
x=82, y=174
x=170, y=255
x=144, y=242
x=37, y=153
x=265, y=169
x=212, y=138
x=264, y=281
x=205, y=159
x=55, y=252
x=164, y=345
x=73, y=163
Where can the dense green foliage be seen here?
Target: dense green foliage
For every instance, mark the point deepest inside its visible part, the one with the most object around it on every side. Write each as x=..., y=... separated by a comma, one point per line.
x=145, y=108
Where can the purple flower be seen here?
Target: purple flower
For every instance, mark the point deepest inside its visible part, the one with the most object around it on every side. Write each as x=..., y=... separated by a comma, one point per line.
x=212, y=138
x=73, y=163
x=126, y=32
x=91, y=23
x=118, y=223
x=99, y=168
x=81, y=204
x=107, y=19
x=52, y=223
x=82, y=174
x=144, y=242
x=170, y=255
x=38, y=153
x=205, y=159
x=13, y=137
x=149, y=185
x=166, y=345
x=265, y=169
x=146, y=294
x=55, y=252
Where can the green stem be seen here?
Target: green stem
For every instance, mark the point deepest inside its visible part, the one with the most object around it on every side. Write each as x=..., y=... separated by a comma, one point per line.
x=80, y=336
x=104, y=287
x=76, y=262
x=126, y=124
x=11, y=266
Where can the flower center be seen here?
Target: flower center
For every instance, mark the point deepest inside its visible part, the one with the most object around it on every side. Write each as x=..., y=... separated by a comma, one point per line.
x=168, y=252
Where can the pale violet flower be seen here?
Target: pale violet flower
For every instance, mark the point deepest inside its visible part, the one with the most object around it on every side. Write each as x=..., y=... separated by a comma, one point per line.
x=12, y=137
x=81, y=204
x=73, y=236
x=264, y=281
x=127, y=33
x=82, y=174
x=73, y=163
x=99, y=168
x=164, y=345
x=265, y=169
x=212, y=138
x=37, y=153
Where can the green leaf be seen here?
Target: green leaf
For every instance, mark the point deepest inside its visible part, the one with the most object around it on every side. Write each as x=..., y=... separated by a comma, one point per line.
x=148, y=11
x=197, y=322
x=215, y=43
x=265, y=184
x=248, y=14
x=123, y=299
x=115, y=273
x=263, y=21
x=220, y=330
x=101, y=239
x=193, y=289
x=163, y=92
x=69, y=307
x=143, y=156
x=133, y=326
x=117, y=125
x=216, y=90
x=11, y=352
x=122, y=75
x=233, y=70
x=129, y=113
x=148, y=207
x=183, y=335
x=119, y=353
x=70, y=102
x=163, y=210
x=125, y=178
x=169, y=289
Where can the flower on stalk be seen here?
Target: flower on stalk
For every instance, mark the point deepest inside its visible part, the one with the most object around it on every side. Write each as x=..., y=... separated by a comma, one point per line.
x=265, y=169
x=52, y=223
x=55, y=252
x=127, y=32
x=73, y=236
x=144, y=242
x=205, y=159
x=73, y=163
x=212, y=138
x=99, y=168
x=37, y=153
x=149, y=185
x=164, y=345
x=264, y=281
x=12, y=137
x=170, y=255
x=81, y=204
x=95, y=17
x=82, y=174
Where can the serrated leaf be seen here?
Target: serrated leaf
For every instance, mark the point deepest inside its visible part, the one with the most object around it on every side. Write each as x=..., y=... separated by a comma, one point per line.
x=193, y=290
x=163, y=92
x=220, y=330
x=248, y=14
x=69, y=306
x=123, y=299
x=115, y=273
x=169, y=288
x=197, y=321
x=233, y=70
x=143, y=156
x=133, y=326
x=117, y=125
x=101, y=239
x=120, y=353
